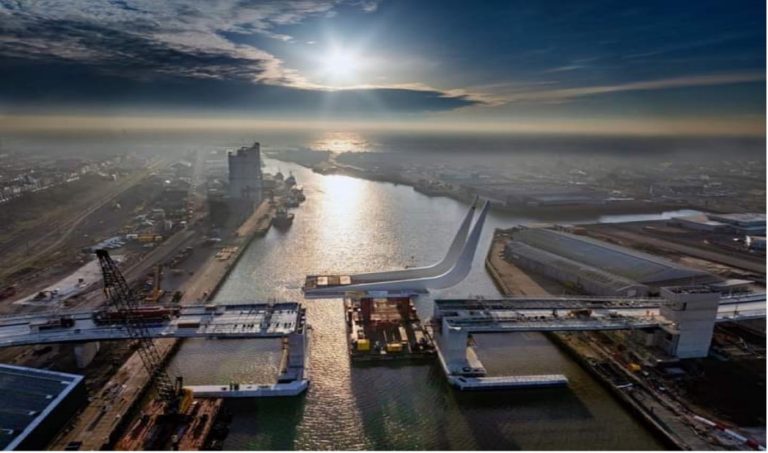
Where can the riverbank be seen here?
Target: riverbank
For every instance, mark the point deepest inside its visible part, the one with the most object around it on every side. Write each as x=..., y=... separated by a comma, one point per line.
x=119, y=402
x=512, y=281
x=331, y=167
x=214, y=272
x=644, y=391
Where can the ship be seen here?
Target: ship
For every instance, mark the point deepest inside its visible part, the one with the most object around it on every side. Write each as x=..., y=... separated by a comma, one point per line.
x=298, y=193
x=291, y=201
x=283, y=218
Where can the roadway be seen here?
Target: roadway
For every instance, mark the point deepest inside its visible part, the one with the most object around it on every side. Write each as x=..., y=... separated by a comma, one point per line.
x=255, y=320
x=557, y=314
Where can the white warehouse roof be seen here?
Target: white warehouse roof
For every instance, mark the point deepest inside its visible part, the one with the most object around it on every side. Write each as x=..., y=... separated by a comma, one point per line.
x=630, y=264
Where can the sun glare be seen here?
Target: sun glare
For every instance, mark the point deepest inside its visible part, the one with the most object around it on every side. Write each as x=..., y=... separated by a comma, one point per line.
x=340, y=65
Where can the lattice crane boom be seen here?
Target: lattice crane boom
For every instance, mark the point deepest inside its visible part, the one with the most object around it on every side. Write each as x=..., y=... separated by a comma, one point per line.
x=121, y=297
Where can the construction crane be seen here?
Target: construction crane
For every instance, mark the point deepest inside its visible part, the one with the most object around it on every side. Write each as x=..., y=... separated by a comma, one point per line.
x=157, y=292
x=121, y=297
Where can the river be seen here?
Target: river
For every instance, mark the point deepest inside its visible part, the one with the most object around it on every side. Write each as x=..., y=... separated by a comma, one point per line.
x=354, y=225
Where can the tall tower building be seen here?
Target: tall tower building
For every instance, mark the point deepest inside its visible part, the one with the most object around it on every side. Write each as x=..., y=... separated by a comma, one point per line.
x=245, y=180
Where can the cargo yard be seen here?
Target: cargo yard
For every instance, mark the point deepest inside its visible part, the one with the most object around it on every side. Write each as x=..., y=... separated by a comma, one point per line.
x=681, y=399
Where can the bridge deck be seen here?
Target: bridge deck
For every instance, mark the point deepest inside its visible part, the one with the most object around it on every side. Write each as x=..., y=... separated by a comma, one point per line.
x=249, y=390
x=448, y=306
x=506, y=319
x=253, y=320
x=508, y=382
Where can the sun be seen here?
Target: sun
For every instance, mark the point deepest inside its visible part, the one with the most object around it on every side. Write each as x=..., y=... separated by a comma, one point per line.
x=340, y=65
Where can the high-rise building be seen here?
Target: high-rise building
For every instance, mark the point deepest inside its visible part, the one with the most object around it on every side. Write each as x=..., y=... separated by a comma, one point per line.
x=245, y=179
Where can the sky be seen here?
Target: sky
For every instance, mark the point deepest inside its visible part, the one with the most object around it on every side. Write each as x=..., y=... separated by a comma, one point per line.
x=592, y=66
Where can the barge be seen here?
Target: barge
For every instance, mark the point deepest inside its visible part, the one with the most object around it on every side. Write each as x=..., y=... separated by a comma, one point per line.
x=385, y=329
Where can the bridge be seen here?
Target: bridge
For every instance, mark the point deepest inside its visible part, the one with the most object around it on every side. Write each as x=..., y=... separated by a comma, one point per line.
x=245, y=320
x=680, y=323
x=568, y=313
x=450, y=271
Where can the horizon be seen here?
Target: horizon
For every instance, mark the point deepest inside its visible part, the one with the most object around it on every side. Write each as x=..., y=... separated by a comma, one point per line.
x=598, y=67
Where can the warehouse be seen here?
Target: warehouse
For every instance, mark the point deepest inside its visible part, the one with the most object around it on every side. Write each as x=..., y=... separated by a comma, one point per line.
x=698, y=222
x=570, y=258
x=36, y=404
x=745, y=223
x=571, y=273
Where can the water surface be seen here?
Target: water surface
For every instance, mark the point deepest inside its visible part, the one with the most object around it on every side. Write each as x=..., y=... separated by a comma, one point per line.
x=353, y=225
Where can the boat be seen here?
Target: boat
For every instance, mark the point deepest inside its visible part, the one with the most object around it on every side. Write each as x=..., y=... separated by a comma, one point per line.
x=298, y=193
x=283, y=219
x=291, y=201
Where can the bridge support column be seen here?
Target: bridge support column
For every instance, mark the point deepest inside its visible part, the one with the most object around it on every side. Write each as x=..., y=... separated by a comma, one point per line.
x=693, y=310
x=453, y=345
x=85, y=352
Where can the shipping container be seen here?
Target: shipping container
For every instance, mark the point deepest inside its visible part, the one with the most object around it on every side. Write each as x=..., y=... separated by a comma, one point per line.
x=363, y=345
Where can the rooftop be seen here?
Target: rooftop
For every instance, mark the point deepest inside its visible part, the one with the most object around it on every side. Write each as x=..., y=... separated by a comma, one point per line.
x=606, y=278
x=627, y=263
x=29, y=396
x=700, y=218
x=746, y=217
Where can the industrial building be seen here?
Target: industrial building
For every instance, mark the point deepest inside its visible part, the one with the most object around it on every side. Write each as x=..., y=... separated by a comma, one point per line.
x=245, y=178
x=755, y=242
x=588, y=278
x=699, y=222
x=36, y=404
x=745, y=223
x=742, y=224
x=595, y=266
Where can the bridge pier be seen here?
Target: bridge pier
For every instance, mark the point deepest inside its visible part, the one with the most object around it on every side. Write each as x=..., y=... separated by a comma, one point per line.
x=85, y=352
x=693, y=312
x=459, y=357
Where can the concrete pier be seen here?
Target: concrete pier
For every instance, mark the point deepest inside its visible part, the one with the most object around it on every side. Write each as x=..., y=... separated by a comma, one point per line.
x=85, y=353
x=292, y=381
x=464, y=370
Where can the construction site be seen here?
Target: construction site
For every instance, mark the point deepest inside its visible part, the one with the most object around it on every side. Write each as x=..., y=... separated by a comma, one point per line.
x=113, y=323
x=715, y=401
x=172, y=251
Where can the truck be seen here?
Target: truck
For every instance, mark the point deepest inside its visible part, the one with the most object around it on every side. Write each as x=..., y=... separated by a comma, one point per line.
x=62, y=322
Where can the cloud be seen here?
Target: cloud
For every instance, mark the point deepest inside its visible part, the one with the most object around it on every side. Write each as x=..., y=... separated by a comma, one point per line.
x=166, y=37
x=369, y=6
x=164, y=42
x=560, y=95
x=566, y=68
x=34, y=87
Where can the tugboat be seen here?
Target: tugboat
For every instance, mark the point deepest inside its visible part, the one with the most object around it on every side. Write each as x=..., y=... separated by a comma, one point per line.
x=283, y=219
